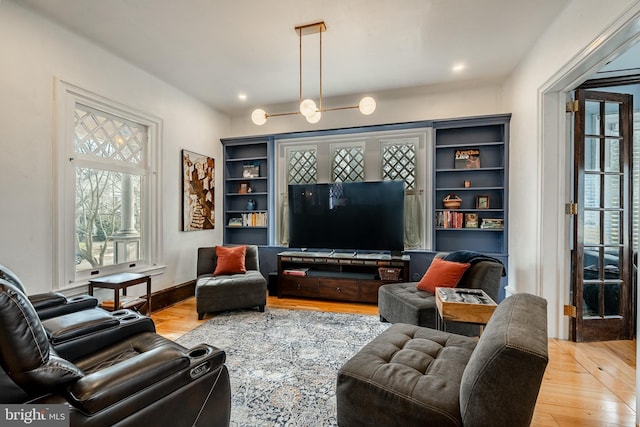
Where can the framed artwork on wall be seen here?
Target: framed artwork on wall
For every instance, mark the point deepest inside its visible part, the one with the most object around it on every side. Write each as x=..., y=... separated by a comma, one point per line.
x=198, y=172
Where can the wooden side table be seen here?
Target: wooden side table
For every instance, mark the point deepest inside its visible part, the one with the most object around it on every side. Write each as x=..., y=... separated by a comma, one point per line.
x=463, y=305
x=122, y=281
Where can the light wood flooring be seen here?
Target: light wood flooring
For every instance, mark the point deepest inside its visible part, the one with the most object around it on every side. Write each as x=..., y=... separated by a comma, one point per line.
x=585, y=384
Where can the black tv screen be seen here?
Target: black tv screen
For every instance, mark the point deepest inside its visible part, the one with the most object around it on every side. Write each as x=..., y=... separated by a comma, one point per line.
x=353, y=216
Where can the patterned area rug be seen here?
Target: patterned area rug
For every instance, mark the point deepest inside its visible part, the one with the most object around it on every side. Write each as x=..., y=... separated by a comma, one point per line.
x=283, y=363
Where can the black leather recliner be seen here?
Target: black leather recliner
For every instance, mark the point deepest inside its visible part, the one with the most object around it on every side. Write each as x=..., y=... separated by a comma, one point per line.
x=143, y=378
x=50, y=304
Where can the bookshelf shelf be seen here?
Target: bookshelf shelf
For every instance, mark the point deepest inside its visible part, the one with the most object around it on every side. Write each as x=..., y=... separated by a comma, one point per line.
x=488, y=136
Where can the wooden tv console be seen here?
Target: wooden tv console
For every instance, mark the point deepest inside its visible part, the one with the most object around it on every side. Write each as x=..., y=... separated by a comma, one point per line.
x=338, y=276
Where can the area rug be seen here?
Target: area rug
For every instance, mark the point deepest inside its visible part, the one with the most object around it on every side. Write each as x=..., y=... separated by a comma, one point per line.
x=283, y=364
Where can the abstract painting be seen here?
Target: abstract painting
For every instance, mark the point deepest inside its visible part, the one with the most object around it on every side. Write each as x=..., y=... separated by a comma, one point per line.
x=198, y=181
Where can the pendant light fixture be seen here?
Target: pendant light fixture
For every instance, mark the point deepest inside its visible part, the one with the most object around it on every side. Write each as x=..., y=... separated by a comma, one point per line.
x=308, y=107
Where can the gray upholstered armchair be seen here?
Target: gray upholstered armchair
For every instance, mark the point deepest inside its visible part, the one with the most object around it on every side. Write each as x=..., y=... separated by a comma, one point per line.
x=229, y=291
x=404, y=303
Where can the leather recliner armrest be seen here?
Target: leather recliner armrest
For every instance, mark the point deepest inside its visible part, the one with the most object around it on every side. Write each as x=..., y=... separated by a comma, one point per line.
x=101, y=389
x=45, y=300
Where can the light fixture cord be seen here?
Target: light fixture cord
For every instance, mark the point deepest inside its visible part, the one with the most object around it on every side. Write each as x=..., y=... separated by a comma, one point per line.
x=300, y=56
x=320, y=69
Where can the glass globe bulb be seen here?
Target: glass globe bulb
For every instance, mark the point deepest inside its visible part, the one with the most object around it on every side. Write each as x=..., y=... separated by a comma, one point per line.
x=308, y=107
x=367, y=105
x=315, y=117
x=259, y=116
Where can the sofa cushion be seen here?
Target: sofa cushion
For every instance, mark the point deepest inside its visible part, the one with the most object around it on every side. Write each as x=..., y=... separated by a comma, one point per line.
x=230, y=260
x=442, y=273
x=407, y=373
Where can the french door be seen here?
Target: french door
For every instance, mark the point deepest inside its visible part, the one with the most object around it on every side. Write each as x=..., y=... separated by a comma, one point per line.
x=602, y=244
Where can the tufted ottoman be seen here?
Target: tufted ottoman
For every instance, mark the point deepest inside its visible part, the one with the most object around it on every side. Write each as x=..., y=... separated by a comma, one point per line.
x=406, y=375
x=415, y=376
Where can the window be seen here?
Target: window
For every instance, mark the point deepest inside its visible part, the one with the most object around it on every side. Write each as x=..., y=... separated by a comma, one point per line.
x=108, y=196
x=347, y=163
x=367, y=156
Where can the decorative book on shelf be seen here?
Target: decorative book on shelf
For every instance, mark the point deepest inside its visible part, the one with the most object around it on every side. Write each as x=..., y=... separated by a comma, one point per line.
x=467, y=159
x=471, y=220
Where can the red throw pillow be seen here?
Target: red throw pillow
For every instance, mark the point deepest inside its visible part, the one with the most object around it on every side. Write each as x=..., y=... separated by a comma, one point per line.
x=442, y=273
x=230, y=260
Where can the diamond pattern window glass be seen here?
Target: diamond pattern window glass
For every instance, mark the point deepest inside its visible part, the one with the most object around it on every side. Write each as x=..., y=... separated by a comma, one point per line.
x=99, y=134
x=399, y=162
x=302, y=165
x=347, y=163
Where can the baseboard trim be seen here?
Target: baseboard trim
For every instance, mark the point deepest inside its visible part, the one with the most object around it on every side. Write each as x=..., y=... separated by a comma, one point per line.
x=169, y=296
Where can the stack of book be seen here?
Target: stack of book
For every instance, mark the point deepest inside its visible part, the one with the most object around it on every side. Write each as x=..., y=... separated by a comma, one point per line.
x=450, y=219
x=492, y=223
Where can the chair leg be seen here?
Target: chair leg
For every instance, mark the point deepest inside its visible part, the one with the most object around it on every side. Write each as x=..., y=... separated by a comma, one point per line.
x=382, y=319
x=261, y=308
x=200, y=316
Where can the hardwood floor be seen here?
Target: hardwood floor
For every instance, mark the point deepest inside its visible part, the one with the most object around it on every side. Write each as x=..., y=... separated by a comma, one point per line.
x=585, y=384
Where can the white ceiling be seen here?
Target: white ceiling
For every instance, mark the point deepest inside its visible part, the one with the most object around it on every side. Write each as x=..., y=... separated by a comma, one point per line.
x=215, y=50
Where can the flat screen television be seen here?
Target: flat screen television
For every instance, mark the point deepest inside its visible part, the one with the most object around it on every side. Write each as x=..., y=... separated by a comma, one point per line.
x=352, y=216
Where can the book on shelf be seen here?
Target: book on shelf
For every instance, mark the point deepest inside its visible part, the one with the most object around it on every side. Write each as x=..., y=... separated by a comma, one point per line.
x=492, y=223
x=467, y=159
x=471, y=220
x=235, y=222
x=125, y=302
x=254, y=219
x=296, y=271
x=449, y=219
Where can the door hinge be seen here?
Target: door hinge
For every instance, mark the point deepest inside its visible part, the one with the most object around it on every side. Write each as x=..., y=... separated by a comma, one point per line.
x=573, y=106
x=571, y=208
x=570, y=310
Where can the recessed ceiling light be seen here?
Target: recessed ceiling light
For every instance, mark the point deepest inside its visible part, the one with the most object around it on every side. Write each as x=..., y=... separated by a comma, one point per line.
x=457, y=68
x=242, y=96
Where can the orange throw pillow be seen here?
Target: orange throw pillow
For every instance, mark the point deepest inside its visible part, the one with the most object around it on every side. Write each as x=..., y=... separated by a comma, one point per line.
x=230, y=260
x=442, y=273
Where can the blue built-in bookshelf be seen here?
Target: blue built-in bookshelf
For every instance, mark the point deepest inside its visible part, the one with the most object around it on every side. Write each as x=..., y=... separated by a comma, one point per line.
x=480, y=223
x=247, y=204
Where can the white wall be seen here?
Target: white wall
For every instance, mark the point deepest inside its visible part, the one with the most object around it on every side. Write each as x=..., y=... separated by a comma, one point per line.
x=425, y=103
x=32, y=52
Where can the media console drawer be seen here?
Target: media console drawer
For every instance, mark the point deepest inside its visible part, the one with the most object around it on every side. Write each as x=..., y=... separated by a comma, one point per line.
x=343, y=289
x=369, y=290
x=300, y=286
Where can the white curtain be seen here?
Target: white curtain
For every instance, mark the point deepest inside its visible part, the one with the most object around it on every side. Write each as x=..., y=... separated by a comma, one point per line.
x=284, y=221
x=412, y=220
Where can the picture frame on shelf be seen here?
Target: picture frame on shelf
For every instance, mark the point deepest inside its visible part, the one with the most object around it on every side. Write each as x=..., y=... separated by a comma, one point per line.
x=482, y=202
x=251, y=170
x=244, y=188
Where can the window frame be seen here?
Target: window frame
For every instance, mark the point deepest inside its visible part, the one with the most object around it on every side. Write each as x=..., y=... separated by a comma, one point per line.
x=67, y=96
x=372, y=141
